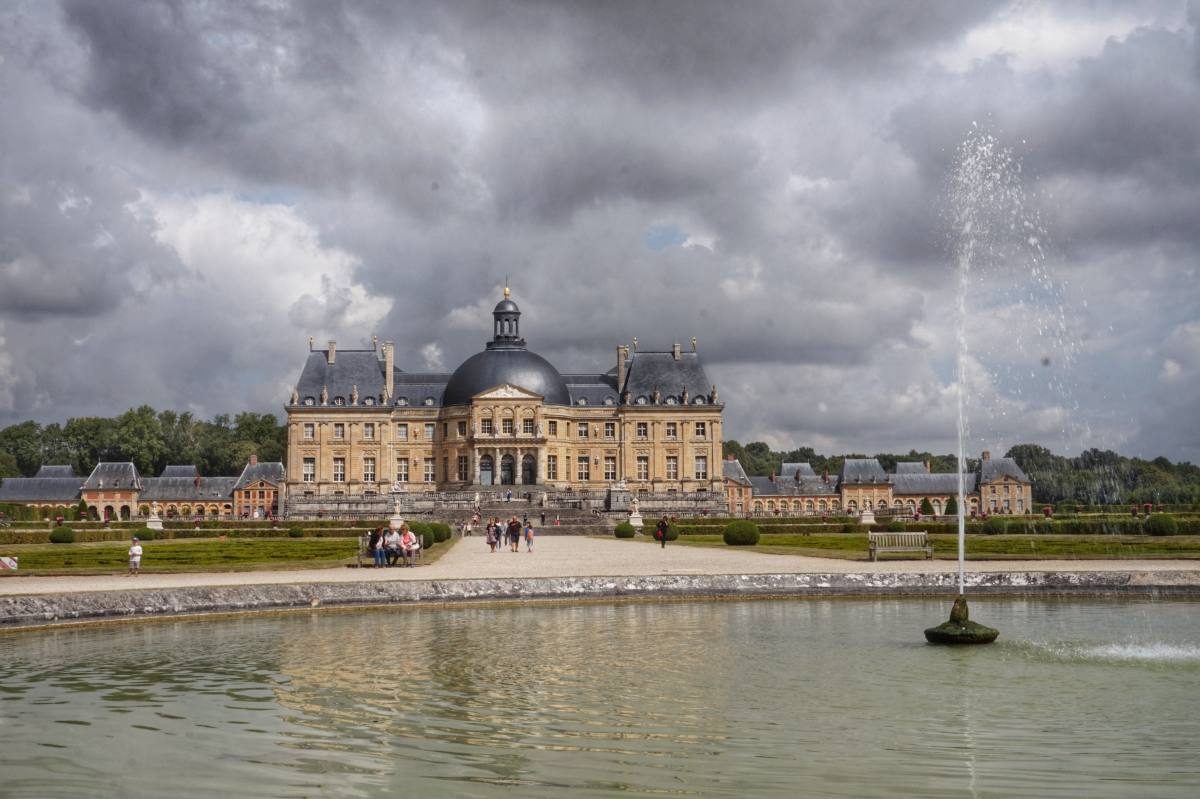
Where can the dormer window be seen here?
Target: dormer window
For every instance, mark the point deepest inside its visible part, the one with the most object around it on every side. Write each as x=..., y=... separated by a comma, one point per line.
x=641, y=400
x=698, y=401
x=369, y=401
x=339, y=400
x=429, y=400
x=401, y=401
x=581, y=401
x=609, y=401
x=670, y=400
x=310, y=401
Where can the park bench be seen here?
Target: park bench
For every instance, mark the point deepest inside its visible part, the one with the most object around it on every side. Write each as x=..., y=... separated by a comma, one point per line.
x=364, y=553
x=898, y=542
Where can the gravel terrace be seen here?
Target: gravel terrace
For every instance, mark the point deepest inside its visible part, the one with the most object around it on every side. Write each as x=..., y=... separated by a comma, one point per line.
x=574, y=556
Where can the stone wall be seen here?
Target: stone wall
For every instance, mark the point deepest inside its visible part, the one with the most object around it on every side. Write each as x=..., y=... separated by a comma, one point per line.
x=39, y=610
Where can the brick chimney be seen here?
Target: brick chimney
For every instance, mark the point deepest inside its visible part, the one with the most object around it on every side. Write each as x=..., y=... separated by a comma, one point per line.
x=254, y=460
x=676, y=350
x=331, y=353
x=622, y=357
x=987, y=456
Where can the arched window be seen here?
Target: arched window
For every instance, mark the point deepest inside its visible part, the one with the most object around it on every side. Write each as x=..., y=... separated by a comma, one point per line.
x=808, y=506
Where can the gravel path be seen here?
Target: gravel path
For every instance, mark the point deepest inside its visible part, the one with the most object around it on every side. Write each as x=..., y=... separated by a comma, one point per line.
x=572, y=556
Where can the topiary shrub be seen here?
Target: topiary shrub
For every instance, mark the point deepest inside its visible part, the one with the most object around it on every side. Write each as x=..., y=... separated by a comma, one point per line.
x=926, y=507
x=62, y=535
x=441, y=531
x=995, y=526
x=145, y=534
x=952, y=506
x=624, y=530
x=741, y=533
x=295, y=531
x=894, y=526
x=1161, y=524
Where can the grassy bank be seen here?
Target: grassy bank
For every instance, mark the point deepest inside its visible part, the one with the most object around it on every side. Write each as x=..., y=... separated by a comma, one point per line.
x=195, y=555
x=853, y=546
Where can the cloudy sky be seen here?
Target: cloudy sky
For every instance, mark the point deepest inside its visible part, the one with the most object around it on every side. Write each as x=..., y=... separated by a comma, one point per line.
x=188, y=191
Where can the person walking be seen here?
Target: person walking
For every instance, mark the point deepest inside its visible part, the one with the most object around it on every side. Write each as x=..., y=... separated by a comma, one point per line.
x=491, y=536
x=135, y=558
x=514, y=534
x=660, y=532
x=528, y=537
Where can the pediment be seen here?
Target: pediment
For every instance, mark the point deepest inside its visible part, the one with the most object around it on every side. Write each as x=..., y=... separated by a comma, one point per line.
x=507, y=391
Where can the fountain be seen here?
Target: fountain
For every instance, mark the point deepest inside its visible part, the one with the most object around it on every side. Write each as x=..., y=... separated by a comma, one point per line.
x=983, y=180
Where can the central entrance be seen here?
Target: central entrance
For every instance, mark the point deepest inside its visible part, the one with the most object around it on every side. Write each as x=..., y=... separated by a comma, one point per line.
x=507, y=470
x=529, y=470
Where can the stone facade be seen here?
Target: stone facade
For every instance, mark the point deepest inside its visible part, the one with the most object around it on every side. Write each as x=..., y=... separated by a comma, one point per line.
x=505, y=420
x=999, y=487
x=116, y=491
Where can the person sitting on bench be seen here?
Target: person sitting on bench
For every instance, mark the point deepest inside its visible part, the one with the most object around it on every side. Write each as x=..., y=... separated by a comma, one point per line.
x=391, y=543
x=410, y=545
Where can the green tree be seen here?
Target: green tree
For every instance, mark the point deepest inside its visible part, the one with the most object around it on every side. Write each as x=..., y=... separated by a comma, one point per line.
x=926, y=506
x=179, y=437
x=952, y=506
x=92, y=439
x=8, y=465
x=139, y=438
x=24, y=443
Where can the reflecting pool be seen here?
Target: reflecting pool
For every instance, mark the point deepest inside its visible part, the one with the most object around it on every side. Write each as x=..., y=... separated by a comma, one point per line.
x=768, y=698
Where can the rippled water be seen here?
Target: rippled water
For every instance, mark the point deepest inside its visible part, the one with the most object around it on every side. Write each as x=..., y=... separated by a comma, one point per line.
x=778, y=698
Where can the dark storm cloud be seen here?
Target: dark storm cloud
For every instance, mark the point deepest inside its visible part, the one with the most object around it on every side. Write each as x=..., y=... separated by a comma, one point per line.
x=419, y=152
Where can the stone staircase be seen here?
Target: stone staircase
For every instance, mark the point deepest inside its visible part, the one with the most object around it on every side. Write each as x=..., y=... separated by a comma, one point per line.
x=559, y=521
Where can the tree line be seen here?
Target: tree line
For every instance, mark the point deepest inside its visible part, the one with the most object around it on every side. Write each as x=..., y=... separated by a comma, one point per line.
x=1094, y=477
x=150, y=439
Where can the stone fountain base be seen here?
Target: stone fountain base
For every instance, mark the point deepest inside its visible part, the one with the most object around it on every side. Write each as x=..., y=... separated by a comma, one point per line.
x=960, y=629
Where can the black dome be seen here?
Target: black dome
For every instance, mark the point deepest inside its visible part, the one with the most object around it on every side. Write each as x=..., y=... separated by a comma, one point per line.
x=516, y=366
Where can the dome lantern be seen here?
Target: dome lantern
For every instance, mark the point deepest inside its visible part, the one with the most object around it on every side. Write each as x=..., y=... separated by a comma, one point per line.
x=506, y=329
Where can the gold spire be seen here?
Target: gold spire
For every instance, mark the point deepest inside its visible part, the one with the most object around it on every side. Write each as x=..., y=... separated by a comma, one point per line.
x=506, y=292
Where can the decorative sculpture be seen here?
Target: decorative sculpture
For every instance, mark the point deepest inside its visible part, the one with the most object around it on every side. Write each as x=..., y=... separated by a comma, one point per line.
x=324, y=395
x=354, y=394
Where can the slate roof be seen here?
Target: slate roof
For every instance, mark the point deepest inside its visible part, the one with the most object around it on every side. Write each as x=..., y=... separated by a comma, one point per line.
x=108, y=475
x=790, y=469
x=511, y=363
x=806, y=487
x=414, y=389
x=270, y=471
x=40, y=489
x=57, y=471
x=995, y=468
x=863, y=470
x=648, y=371
x=924, y=483
x=592, y=389
x=350, y=368
x=911, y=467
x=186, y=489
x=732, y=470
x=188, y=471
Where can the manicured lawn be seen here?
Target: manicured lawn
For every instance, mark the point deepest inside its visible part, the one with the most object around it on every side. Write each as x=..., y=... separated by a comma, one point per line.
x=193, y=555
x=853, y=546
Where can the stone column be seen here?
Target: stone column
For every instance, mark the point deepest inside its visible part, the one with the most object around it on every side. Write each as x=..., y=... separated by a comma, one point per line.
x=475, y=455
x=518, y=477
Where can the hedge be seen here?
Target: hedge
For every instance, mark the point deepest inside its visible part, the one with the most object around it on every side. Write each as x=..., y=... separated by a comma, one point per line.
x=1161, y=524
x=62, y=535
x=741, y=533
x=624, y=530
